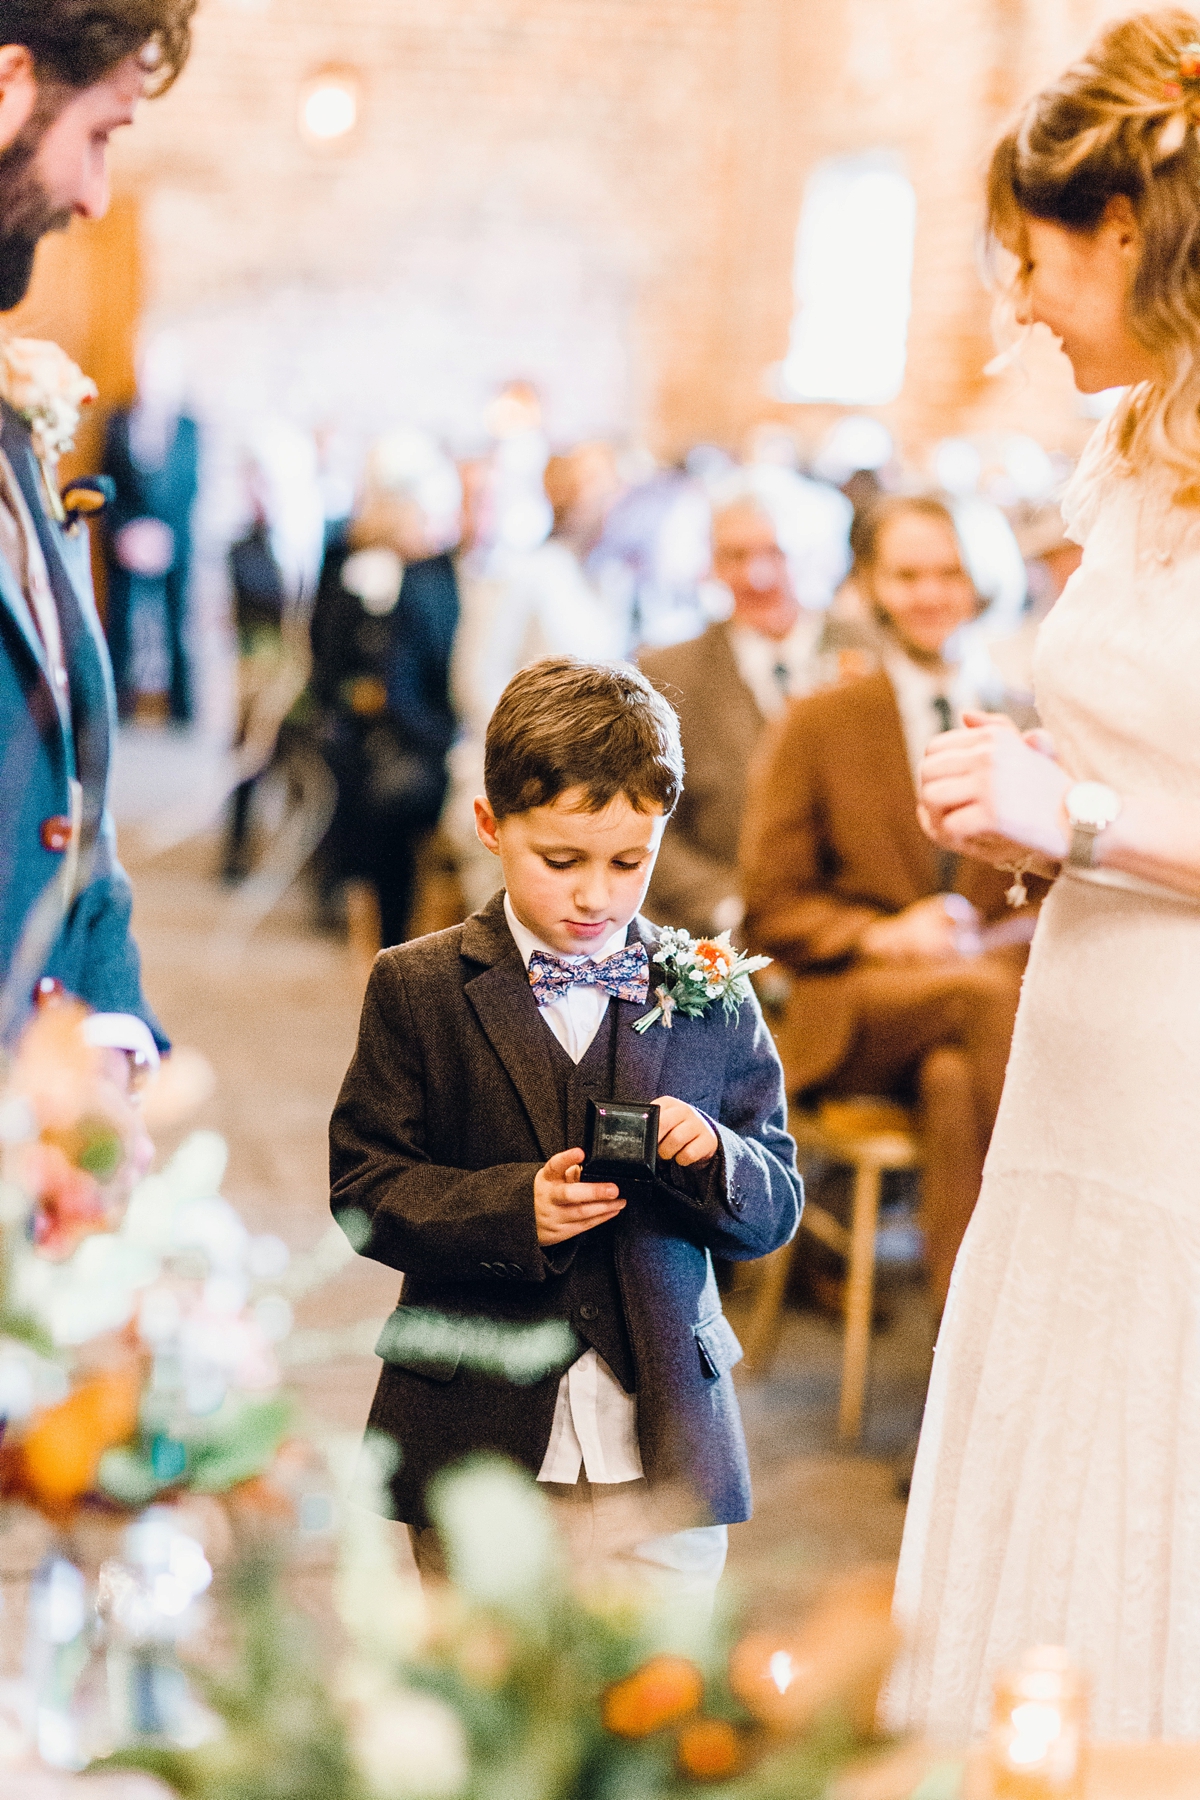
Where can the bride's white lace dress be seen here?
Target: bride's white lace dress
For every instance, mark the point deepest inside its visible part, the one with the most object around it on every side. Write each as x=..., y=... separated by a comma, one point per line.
x=1056, y=1496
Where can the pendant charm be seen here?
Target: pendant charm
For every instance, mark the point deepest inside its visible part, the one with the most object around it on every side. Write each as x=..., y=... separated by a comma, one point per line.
x=1017, y=894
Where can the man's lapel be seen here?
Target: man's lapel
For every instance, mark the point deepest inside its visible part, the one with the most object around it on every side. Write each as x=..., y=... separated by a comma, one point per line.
x=503, y=1002
x=68, y=560
x=13, y=598
x=68, y=564
x=639, y=1055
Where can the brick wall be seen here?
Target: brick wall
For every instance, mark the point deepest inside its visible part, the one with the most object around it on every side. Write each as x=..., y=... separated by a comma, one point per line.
x=601, y=195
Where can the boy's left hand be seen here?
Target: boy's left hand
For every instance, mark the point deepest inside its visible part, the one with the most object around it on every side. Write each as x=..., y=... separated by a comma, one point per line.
x=684, y=1135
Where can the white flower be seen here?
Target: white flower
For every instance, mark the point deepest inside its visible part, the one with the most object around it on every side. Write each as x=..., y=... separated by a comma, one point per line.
x=500, y=1539
x=411, y=1747
x=48, y=390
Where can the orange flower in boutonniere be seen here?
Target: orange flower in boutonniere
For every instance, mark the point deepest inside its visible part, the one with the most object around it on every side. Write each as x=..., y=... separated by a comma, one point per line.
x=716, y=959
x=695, y=973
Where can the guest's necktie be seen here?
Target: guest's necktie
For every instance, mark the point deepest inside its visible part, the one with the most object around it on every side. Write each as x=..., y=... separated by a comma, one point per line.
x=947, y=860
x=626, y=976
x=783, y=678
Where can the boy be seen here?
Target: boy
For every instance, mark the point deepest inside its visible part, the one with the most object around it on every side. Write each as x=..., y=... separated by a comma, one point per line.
x=455, y=1147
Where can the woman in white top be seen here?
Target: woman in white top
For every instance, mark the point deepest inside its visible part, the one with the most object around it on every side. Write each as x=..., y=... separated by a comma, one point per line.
x=1056, y=1497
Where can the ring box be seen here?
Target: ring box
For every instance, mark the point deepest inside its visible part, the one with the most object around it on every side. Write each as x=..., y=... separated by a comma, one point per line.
x=620, y=1143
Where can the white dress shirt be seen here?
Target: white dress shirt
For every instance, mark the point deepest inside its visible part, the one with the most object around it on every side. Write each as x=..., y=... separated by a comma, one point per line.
x=777, y=670
x=917, y=688
x=595, y=1420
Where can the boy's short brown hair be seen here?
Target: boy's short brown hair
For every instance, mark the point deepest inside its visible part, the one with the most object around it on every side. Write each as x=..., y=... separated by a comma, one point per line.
x=602, y=727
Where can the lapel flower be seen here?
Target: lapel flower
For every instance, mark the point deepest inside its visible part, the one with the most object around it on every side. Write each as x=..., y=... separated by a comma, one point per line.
x=48, y=392
x=697, y=971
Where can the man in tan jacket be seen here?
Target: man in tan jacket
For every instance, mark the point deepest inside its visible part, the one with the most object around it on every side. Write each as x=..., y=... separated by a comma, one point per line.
x=907, y=967
x=726, y=686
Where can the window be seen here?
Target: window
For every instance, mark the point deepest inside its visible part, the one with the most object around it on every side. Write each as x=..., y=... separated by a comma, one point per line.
x=853, y=283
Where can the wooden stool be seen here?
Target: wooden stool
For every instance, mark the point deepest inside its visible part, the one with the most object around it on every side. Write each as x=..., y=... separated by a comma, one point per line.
x=870, y=1136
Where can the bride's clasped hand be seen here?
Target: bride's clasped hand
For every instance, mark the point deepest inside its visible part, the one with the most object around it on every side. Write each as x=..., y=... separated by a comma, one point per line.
x=994, y=792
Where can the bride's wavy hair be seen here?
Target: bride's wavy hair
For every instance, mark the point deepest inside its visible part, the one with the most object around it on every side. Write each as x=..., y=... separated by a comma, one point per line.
x=1124, y=120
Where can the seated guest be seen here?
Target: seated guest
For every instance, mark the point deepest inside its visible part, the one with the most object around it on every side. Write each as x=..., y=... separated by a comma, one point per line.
x=725, y=686
x=907, y=972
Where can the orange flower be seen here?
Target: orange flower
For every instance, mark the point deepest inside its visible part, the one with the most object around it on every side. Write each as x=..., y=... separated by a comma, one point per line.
x=55, y=1070
x=664, y=1690
x=715, y=959
x=70, y=1203
x=709, y=1750
x=60, y=1452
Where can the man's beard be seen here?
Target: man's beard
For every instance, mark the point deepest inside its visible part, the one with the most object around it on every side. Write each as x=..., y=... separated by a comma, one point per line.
x=26, y=210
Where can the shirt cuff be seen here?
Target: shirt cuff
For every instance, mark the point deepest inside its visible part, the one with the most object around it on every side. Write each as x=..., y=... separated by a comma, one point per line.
x=123, y=1031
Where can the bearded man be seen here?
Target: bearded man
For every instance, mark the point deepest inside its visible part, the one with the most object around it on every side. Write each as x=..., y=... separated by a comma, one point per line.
x=71, y=73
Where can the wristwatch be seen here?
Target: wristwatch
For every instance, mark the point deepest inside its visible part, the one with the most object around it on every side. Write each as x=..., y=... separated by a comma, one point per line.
x=1091, y=808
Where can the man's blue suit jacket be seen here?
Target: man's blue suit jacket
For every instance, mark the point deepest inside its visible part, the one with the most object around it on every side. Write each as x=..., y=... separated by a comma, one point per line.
x=48, y=741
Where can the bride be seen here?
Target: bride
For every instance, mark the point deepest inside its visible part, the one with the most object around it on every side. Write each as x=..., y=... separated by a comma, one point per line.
x=1056, y=1496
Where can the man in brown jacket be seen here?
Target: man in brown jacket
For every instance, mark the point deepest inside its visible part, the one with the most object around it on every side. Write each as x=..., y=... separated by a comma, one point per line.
x=907, y=968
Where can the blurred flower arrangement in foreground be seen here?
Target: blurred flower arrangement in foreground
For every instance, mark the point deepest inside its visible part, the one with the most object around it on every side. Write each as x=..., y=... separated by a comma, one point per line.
x=142, y=1414
x=138, y=1329
x=507, y=1682
x=137, y=1325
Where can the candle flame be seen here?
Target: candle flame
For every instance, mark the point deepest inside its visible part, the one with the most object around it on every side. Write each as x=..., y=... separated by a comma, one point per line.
x=782, y=1670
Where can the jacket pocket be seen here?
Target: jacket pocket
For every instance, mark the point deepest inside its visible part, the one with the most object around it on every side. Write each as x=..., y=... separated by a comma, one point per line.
x=716, y=1342
x=421, y=1342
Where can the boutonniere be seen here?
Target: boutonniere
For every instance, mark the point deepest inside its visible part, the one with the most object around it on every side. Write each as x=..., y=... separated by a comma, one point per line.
x=697, y=971
x=49, y=392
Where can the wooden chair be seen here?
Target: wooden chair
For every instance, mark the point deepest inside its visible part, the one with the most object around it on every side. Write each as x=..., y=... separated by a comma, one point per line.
x=870, y=1136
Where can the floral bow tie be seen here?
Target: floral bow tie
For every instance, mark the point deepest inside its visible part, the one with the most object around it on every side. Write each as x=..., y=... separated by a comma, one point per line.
x=626, y=976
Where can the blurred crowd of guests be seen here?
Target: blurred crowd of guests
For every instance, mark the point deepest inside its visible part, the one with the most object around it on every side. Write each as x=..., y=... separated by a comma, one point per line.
x=815, y=626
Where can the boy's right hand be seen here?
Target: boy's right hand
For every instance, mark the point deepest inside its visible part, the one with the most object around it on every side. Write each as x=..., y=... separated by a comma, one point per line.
x=564, y=1206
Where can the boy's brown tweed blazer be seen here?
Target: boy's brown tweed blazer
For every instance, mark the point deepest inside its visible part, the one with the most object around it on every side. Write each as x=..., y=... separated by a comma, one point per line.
x=449, y=1109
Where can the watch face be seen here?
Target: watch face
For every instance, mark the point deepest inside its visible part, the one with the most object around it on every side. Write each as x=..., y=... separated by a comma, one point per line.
x=1092, y=805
